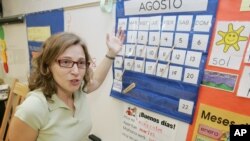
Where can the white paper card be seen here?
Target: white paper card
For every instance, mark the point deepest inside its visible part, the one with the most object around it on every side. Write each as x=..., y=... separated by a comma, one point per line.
x=117, y=85
x=168, y=23
x=139, y=66
x=167, y=39
x=181, y=40
x=144, y=23
x=162, y=70
x=155, y=23
x=132, y=37
x=203, y=23
x=229, y=44
x=193, y=59
x=186, y=106
x=154, y=38
x=130, y=50
x=122, y=23
x=191, y=75
x=244, y=87
x=175, y=73
x=247, y=55
x=133, y=23
x=150, y=68
x=200, y=42
x=118, y=62
x=178, y=56
x=142, y=7
x=136, y=127
x=118, y=74
x=164, y=54
x=122, y=51
x=184, y=23
x=142, y=37
x=141, y=51
x=128, y=64
x=151, y=52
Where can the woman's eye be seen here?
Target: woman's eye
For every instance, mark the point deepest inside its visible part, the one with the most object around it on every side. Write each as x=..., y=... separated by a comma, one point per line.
x=66, y=61
x=81, y=62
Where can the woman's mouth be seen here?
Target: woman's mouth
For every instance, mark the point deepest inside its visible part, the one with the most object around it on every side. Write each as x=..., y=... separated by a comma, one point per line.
x=75, y=82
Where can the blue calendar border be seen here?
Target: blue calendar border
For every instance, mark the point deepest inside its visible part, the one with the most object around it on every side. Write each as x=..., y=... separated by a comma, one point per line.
x=158, y=94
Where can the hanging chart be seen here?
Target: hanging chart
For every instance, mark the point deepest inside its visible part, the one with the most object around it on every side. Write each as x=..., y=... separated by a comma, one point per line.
x=161, y=65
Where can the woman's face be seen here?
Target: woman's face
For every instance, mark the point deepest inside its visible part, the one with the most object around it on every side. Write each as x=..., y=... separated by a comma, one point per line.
x=68, y=75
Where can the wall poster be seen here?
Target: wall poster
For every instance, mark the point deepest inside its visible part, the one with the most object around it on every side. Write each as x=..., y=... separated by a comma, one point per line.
x=212, y=123
x=142, y=125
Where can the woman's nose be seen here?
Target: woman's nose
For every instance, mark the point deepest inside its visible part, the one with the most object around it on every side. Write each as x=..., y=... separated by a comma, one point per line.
x=75, y=69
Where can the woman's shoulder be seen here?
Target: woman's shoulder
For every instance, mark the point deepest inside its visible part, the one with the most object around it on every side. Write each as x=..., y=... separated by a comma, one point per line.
x=36, y=95
x=35, y=100
x=33, y=110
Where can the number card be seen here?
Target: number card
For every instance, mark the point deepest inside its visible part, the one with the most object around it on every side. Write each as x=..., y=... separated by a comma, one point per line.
x=191, y=75
x=186, y=106
x=167, y=39
x=162, y=70
x=165, y=54
x=175, y=73
x=181, y=40
x=118, y=62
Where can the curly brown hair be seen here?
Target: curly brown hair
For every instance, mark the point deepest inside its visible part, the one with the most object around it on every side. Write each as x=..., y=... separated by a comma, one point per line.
x=41, y=76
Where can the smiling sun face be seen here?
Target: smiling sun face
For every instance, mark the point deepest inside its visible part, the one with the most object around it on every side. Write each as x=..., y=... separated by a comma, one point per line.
x=231, y=38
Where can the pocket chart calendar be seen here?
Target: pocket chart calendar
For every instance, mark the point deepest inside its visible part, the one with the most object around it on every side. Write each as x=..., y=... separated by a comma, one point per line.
x=162, y=62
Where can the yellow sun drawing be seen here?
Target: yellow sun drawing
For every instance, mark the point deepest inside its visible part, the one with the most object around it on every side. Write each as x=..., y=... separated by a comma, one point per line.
x=231, y=38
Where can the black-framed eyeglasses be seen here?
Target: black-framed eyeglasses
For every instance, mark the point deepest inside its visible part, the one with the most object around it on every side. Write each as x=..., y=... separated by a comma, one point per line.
x=66, y=63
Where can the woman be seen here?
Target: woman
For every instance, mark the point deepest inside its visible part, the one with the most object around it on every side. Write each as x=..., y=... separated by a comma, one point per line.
x=55, y=108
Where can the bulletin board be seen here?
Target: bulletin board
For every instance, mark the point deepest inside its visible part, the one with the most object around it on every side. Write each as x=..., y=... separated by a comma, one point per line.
x=224, y=93
x=164, y=54
x=42, y=25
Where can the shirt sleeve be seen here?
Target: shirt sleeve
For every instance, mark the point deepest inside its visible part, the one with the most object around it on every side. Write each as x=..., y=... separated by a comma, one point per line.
x=33, y=111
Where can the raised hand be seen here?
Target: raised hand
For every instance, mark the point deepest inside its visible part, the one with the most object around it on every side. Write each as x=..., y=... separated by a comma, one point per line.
x=114, y=43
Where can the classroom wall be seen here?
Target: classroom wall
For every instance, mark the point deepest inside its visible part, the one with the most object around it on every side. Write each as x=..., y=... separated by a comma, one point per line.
x=15, y=7
x=105, y=111
x=93, y=26
x=17, y=52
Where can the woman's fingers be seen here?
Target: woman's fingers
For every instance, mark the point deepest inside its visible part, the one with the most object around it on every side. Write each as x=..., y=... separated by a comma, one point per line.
x=122, y=37
x=118, y=34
